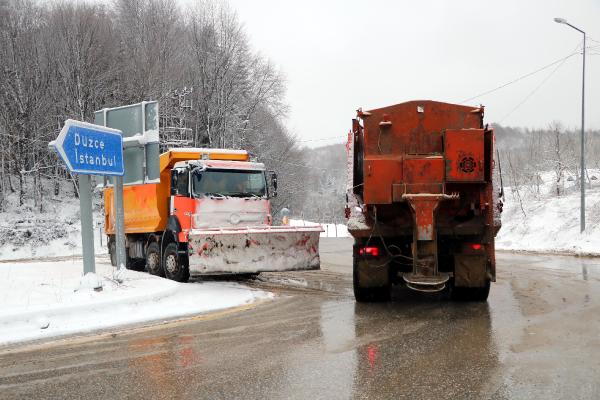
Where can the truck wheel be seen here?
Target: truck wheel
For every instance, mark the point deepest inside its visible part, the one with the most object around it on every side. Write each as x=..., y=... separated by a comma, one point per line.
x=252, y=275
x=470, y=293
x=172, y=265
x=134, y=264
x=368, y=294
x=130, y=263
x=153, y=264
x=112, y=251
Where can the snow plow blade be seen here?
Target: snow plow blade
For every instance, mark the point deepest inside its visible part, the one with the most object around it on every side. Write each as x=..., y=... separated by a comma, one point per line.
x=253, y=250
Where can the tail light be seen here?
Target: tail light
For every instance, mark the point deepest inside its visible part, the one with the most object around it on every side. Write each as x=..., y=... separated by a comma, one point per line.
x=473, y=247
x=369, y=251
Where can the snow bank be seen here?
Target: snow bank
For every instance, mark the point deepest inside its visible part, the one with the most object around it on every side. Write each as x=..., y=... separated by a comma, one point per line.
x=548, y=223
x=331, y=230
x=41, y=300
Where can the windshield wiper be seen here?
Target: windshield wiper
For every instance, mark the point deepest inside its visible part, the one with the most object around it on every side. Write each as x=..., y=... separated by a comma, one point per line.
x=215, y=194
x=244, y=194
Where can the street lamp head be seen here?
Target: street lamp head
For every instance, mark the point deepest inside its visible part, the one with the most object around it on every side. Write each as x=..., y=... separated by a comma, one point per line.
x=560, y=20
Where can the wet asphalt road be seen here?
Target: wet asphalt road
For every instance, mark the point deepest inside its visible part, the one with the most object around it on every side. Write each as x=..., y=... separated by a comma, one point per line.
x=538, y=336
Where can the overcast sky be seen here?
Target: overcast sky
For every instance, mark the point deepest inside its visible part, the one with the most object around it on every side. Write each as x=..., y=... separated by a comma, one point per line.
x=340, y=55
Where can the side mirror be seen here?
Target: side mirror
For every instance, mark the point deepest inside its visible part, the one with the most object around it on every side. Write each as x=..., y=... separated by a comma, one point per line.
x=273, y=183
x=173, y=182
x=180, y=179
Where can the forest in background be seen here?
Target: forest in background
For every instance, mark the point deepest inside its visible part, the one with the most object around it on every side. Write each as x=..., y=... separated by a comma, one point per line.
x=61, y=60
x=525, y=154
x=326, y=185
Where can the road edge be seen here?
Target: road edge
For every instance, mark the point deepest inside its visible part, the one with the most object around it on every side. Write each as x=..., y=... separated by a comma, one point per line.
x=147, y=326
x=550, y=253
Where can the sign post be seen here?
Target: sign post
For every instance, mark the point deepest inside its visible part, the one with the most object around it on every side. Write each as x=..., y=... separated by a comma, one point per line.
x=87, y=230
x=89, y=149
x=120, y=223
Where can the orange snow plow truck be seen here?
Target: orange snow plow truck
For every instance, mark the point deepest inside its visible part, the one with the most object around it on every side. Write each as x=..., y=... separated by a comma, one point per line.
x=210, y=214
x=422, y=206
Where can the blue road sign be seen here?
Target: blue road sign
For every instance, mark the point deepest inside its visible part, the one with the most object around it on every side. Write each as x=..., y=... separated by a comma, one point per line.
x=90, y=149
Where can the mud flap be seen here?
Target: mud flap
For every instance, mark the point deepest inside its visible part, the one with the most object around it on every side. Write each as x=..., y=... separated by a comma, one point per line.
x=470, y=270
x=253, y=250
x=373, y=273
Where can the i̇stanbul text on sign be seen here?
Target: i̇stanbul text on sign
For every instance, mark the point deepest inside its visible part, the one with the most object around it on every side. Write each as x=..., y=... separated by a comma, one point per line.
x=90, y=149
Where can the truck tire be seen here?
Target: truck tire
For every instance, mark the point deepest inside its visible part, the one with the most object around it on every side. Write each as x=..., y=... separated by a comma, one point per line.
x=368, y=294
x=136, y=264
x=251, y=275
x=173, y=266
x=130, y=263
x=112, y=251
x=154, y=265
x=475, y=294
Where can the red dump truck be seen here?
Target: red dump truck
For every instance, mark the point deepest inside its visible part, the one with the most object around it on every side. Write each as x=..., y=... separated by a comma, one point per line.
x=422, y=204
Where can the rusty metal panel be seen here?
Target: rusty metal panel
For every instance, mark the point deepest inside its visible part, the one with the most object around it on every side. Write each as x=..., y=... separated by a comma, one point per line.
x=464, y=153
x=415, y=127
x=379, y=176
x=470, y=270
x=400, y=189
x=428, y=169
x=424, y=208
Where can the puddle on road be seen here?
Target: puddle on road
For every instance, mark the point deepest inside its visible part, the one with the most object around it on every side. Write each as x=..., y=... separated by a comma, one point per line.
x=584, y=267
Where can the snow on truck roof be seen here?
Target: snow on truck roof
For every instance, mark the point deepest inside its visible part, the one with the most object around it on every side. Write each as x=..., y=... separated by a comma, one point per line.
x=173, y=156
x=222, y=164
x=216, y=153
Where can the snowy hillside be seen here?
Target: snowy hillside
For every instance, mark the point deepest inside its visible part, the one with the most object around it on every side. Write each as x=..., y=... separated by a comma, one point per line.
x=27, y=232
x=547, y=223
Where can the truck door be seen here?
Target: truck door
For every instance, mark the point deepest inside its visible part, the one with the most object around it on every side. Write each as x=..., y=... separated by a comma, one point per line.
x=181, y=204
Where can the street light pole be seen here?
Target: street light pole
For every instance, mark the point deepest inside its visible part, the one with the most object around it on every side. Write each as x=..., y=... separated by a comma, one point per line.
x=582, y=179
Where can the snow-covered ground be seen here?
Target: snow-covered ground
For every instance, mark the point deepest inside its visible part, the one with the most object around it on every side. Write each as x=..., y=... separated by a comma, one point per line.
x=41, y=300
x=550, y=223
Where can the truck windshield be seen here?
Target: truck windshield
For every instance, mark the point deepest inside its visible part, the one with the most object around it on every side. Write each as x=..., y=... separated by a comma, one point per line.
x=227, y=182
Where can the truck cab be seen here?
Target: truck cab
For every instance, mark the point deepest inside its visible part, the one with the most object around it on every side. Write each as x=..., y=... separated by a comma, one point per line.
x=220, y=194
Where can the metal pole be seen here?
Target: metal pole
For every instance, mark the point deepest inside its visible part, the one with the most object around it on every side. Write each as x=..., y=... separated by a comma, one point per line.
x=582, y=178
x=583, y=142
x=87, y=230
x=119, y=221
x=119, y=210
